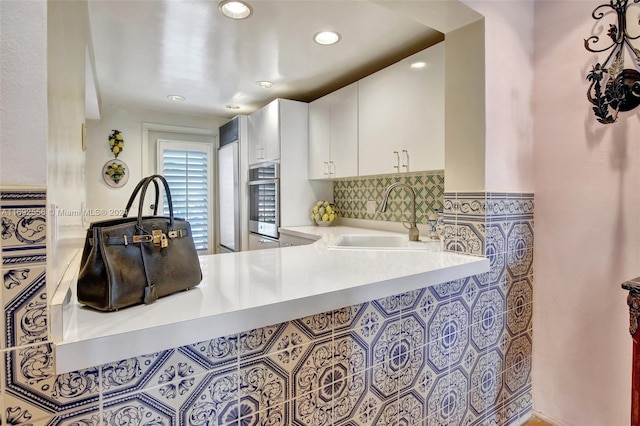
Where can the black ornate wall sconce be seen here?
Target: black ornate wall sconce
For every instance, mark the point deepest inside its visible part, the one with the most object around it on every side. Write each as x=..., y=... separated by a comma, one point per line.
x=613, y=87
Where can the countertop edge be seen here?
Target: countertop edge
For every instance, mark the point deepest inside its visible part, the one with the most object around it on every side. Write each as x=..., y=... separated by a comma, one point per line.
x=89, y=353
x=81, y=354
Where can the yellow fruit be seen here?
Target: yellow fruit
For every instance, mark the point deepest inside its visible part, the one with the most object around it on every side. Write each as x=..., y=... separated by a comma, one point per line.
x=121, y=144
x=332, y=217
x=325, y=218
x=119, y=136
x=116, y=149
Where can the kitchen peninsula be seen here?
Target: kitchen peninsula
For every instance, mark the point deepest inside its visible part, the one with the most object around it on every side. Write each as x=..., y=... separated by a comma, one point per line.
x=245, y=290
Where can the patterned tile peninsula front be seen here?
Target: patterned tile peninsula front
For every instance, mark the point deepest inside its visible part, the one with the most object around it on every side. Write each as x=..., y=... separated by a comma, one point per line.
x=458, y=353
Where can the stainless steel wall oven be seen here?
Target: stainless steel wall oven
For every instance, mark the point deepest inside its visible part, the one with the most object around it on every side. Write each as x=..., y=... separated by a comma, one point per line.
x=264, y=199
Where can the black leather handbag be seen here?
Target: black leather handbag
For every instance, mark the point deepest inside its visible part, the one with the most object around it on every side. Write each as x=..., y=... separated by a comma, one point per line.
x=135, y=260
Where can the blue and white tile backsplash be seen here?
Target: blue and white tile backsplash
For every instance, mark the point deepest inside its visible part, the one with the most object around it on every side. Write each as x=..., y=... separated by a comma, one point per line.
x=458, y=353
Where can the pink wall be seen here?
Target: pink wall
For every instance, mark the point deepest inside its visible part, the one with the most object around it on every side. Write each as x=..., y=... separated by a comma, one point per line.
x=508, y=87
x=587, y=235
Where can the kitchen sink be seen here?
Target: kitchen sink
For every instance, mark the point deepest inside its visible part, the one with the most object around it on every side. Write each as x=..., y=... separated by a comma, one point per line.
x=383, y=242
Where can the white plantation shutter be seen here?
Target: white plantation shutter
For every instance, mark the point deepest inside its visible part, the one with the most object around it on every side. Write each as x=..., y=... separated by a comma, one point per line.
x=187, y=168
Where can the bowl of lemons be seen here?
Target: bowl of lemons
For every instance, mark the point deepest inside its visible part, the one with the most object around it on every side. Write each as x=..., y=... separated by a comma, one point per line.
x=323, y=213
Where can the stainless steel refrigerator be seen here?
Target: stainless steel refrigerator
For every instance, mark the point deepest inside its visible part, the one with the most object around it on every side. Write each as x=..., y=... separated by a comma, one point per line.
x=229, y=187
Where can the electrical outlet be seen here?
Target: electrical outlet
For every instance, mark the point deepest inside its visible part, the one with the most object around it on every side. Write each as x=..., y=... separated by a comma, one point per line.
x=371, y=206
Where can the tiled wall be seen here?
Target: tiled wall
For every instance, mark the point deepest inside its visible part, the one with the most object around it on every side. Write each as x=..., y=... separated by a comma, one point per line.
x=350, y=196
x=454, y=354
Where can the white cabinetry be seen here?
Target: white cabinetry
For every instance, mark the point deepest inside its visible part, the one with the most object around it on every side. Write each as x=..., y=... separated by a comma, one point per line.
x=279, y=132
x=264, y=133
x=333, y=134
x=401, y=116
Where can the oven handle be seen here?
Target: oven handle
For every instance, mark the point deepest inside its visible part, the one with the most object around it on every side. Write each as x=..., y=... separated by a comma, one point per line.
x=263, y=182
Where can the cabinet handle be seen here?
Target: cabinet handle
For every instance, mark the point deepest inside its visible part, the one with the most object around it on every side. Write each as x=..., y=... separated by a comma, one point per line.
x=397, y=166
x=332, y=168
x=405, y=154
x=326, y=167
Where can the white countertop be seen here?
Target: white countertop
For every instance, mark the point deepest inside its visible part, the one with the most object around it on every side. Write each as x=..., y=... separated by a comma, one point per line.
x=246, y=290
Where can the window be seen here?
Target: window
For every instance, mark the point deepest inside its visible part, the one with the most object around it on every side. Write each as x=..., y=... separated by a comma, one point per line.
x=187, y=168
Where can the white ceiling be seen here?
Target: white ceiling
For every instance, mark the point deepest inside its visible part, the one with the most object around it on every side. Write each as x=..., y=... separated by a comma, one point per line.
x=148, y=49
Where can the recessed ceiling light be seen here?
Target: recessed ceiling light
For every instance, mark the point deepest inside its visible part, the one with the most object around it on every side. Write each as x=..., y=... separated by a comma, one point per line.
x=418, y=65
x=326, y=37
x=265, y=84
x=176, y=98
x=231, y=106
x=235, y=9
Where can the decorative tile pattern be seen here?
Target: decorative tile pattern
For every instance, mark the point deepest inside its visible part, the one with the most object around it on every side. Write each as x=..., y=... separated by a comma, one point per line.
x=30, y=375
x=447, y=402
x=487, y=317
x=329, y=382
x=518, y=360
x=393, y=305
x=262, y=386
x=447, y=336
x=133, y=374
x=351, y=195
x=519, y=301
x=23, y=227
x=25, y=298
x=214, y=353
x=325, y=323
x=89, y=416
x=486, y=381
x=397, y=355
x=214, y=400
x=457, y=353
x=407, y=410
x=509, y=205
x=137, y=409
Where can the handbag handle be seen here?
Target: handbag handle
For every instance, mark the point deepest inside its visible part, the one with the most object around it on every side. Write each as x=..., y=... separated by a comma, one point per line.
x=150, y=179
x=134, y=194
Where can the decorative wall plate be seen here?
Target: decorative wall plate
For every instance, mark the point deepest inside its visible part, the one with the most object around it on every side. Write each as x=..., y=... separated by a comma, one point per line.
x=115, y=173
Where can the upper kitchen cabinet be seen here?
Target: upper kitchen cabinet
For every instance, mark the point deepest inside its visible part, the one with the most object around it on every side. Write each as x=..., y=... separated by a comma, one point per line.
x=264, y=133
x=401, y=115
x=333, y=134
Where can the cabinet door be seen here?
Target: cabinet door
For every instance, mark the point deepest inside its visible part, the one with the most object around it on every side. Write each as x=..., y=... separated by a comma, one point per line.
x=344, y=132
x=424, y=141
x=253, y=137
x=319, y=138
x=402, y=108
x=270, y=131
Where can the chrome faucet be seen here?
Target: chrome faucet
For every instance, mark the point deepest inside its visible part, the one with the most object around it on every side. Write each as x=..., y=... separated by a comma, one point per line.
x=414, y=234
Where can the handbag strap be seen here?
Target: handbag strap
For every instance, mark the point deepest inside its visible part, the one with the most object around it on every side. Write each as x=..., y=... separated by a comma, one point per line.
x=134, y=194
x=167, y=192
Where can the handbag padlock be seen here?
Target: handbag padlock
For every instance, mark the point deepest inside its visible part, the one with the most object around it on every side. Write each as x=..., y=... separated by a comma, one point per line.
x=160, y=238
